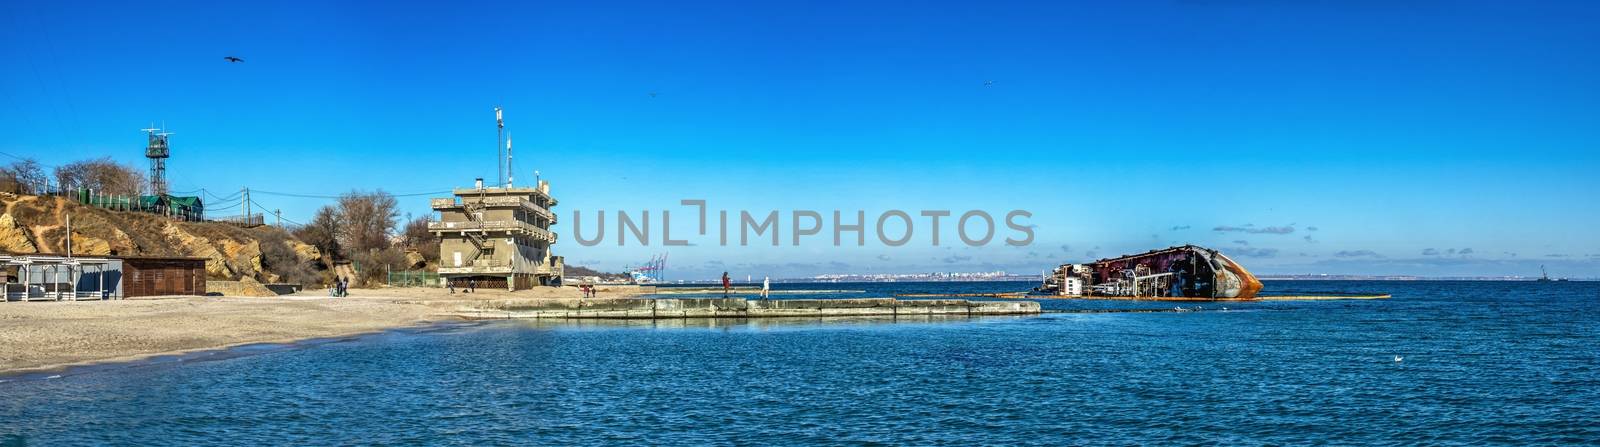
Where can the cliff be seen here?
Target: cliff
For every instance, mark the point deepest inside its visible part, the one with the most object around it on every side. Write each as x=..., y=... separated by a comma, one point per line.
x=37, y=224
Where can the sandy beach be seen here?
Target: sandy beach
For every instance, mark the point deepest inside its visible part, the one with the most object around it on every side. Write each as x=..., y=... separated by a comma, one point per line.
x=50, y=335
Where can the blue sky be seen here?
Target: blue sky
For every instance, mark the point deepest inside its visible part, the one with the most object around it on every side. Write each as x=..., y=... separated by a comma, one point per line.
x=1392, y=128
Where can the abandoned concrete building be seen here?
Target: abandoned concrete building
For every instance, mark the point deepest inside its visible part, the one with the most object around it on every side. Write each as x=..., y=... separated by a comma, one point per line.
x=497, y=237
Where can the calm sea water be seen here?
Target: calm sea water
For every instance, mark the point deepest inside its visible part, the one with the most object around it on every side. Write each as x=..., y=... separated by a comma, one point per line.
x=1483, y=362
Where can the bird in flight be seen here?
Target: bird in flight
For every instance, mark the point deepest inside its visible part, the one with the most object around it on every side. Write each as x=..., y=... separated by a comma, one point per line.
x=232, y=59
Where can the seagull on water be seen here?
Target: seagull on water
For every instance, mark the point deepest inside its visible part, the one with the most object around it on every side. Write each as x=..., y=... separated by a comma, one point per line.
x=1397, y=359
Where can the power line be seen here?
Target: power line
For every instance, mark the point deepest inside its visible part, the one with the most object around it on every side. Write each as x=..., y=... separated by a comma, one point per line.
x=279, y=216
x=19, y=158
x=218, y=206
x=326, y=196
x=235, y=195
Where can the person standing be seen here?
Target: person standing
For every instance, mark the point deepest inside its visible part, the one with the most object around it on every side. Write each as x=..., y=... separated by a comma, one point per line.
x=766, y=286
x=726, y=284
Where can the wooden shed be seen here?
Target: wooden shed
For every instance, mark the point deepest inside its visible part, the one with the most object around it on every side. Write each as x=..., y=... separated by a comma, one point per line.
x=152, y=276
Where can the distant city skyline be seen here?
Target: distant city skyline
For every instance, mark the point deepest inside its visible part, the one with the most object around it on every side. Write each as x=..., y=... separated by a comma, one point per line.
x=1431, y=139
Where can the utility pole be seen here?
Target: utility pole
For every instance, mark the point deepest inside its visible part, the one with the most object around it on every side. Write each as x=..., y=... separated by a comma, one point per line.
x=245, y=205
x=69, y=237
x=511, y=174
x=278, y=213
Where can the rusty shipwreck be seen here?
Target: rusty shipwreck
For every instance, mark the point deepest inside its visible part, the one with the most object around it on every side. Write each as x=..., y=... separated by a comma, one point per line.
x=1182, y=272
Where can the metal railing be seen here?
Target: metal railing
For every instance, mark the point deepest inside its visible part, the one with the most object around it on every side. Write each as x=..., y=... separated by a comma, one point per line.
x=494, y=225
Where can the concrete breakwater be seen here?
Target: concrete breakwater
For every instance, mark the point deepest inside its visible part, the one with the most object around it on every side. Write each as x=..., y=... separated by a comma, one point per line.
x=662, y=308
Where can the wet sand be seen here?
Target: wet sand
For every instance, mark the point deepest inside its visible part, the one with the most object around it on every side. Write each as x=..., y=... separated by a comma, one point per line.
x=50, y=335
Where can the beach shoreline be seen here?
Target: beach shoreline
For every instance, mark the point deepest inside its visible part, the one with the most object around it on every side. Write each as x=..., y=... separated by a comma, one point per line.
x=39, y=337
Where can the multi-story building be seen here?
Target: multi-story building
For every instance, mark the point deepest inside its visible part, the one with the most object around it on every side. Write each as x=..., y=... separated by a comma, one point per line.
x=497, y=237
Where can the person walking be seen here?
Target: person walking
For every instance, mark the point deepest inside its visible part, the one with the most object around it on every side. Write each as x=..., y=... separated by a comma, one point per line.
x=766, y=286
x=726, y=284
x=472, y=284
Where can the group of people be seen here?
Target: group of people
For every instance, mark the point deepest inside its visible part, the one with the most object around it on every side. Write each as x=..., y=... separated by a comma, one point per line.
x=341, y=287
x=766, y=285
x=472, y=285
x=587, y=289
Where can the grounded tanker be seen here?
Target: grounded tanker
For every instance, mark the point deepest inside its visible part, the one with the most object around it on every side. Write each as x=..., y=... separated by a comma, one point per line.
x=1179, y=272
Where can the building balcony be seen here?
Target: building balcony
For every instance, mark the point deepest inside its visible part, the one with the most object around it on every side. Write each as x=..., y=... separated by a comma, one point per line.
x=542, y=192
x=451, y=204
x=510, y=226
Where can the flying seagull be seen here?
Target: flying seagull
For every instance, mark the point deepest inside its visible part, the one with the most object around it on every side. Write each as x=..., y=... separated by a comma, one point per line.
x=232, y=59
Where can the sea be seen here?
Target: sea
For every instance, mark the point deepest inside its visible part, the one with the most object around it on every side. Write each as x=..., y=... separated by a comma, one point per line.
x=1440, y=363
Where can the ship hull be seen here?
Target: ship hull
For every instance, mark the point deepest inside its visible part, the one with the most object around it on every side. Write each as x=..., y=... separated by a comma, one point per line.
x=1188, y=272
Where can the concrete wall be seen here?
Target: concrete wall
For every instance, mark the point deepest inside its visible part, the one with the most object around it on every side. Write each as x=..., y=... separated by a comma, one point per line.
x=637, y=308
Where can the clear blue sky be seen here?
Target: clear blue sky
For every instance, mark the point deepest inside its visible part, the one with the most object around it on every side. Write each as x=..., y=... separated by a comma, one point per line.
x=1392, y=128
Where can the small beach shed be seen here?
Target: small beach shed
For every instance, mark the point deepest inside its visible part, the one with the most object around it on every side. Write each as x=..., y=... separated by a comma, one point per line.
x=156, y=275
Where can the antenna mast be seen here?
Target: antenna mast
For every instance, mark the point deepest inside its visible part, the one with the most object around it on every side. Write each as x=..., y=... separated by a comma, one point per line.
x=499, y=152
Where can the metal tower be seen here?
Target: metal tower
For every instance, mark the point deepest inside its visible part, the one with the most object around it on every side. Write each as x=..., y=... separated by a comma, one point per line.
x=157, y=152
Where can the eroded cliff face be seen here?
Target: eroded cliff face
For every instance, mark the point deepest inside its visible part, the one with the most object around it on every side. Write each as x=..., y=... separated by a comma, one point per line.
x=37, y=224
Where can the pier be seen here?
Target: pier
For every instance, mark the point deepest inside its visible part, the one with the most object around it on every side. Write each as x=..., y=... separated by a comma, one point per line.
x=669, y=308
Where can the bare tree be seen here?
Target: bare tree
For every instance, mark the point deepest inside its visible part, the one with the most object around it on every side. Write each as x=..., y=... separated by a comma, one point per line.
x=323, y=231
x=279, y=257
x=368, y=219
x=415, y=236
x=23, y=176
x=102, y=175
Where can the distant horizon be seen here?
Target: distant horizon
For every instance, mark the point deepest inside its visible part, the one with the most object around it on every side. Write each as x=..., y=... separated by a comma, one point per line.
x=1269, y=276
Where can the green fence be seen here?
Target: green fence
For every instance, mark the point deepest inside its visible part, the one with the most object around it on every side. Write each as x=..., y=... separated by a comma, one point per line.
x=185, y=208
x=413, y=278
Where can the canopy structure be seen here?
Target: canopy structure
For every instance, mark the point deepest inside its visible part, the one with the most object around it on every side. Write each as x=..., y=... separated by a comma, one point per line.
x=55, y=277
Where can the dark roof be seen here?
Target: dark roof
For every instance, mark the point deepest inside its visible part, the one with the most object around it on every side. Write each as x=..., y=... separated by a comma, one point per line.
x=158, y=258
